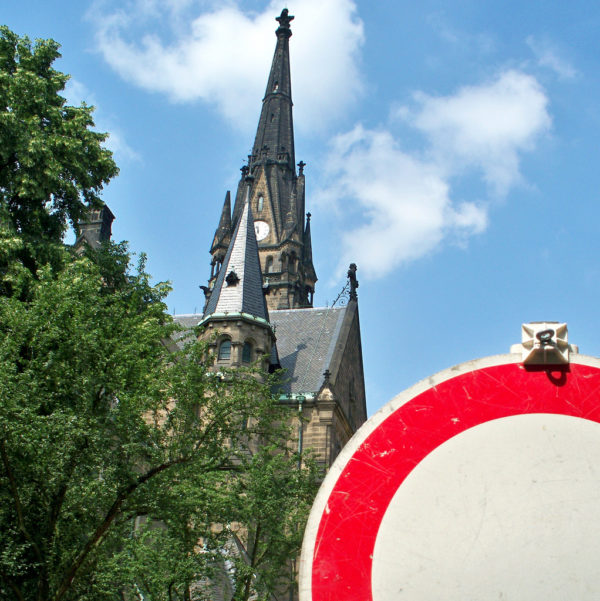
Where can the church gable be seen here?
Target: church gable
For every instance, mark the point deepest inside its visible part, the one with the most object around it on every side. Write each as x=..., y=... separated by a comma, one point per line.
x=346, y=370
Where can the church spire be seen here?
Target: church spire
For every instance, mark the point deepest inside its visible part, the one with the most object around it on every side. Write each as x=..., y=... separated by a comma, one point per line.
x=275, y=191
x=274, y=141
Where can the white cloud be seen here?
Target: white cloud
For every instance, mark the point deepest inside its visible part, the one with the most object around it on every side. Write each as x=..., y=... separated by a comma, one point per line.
x=406, y=206
x=222, y=55
x=485, y=126
x=548, y=56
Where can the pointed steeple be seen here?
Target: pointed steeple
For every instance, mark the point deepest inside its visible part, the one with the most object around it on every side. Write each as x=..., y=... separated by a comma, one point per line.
x=274, y=140
x=238, y=288
x=310, y=276
x=275, y=190
x=223, y=232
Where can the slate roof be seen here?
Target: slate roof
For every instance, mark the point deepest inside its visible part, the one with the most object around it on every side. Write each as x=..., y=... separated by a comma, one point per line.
x=245, y=296
x=306, y=340
x=187, y=322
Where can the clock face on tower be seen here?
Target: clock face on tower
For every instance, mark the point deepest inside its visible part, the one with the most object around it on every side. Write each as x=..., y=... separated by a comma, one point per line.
x=261, y=229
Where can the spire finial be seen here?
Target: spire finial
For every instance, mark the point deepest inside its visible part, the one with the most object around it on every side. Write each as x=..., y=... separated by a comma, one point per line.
x=301, y=166
x=352, y=281
x=284, y=20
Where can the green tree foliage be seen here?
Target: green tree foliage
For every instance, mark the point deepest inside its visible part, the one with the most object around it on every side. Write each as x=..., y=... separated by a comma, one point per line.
x=128, y=468
x=52, y=164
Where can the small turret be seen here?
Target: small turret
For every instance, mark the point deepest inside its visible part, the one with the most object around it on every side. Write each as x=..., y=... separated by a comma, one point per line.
x=236, y=309
x=94, y=229
x=310, y=276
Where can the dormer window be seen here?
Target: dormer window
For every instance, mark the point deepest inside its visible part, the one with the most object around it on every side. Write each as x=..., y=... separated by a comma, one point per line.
x=276, y=86
x=260, y=203
x=232, y=278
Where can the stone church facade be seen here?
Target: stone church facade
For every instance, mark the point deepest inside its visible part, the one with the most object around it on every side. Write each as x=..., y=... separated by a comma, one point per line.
x=259, y=297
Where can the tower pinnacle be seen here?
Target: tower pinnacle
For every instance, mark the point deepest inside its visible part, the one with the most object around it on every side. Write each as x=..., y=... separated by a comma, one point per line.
x=274, y=141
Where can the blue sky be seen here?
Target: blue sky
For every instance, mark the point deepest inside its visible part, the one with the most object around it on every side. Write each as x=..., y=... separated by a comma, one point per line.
x=451, y=150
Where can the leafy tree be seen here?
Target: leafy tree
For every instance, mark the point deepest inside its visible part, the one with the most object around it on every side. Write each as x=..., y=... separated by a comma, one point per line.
x=52, y=164
x=104, y=426
x=128, y=468
x=276, y=496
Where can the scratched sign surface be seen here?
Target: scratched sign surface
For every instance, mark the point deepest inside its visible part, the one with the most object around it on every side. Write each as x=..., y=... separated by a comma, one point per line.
x=482, y=482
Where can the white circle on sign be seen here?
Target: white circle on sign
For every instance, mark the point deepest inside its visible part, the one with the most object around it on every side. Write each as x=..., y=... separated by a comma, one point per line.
x=508, y=510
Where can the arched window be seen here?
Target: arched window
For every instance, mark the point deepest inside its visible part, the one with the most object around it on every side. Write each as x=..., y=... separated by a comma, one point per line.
x=247, y=352
x=260, y=203
x=292, y=263
x=269, y=265
x=225, y=350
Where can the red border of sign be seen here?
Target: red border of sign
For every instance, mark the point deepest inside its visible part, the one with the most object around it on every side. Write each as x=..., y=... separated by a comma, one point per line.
x=340, y=567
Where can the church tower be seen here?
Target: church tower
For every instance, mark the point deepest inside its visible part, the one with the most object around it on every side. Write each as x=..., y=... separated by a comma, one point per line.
x=262, y=283
x=236, y=309
x=276, y=195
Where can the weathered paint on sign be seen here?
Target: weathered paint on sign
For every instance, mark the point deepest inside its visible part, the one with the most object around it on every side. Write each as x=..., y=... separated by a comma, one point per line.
x=480, y=482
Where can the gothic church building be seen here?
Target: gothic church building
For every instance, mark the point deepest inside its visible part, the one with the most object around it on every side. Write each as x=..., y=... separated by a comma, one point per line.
x=259, y=298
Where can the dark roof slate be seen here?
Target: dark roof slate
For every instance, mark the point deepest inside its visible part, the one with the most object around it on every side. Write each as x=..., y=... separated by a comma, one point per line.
x=187, y=323
x=306, y=340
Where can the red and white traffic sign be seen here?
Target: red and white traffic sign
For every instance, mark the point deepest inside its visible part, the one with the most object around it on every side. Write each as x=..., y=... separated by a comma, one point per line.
x=481, y=482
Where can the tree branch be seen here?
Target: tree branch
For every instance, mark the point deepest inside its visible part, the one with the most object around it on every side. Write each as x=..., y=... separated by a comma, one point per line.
x=59, y=498
x=112, y=514
x=14, y=587
x=17, y=500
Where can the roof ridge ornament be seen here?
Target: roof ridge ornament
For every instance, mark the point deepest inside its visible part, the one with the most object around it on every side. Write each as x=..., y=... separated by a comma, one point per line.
x=284, y=20
x=352, y=281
